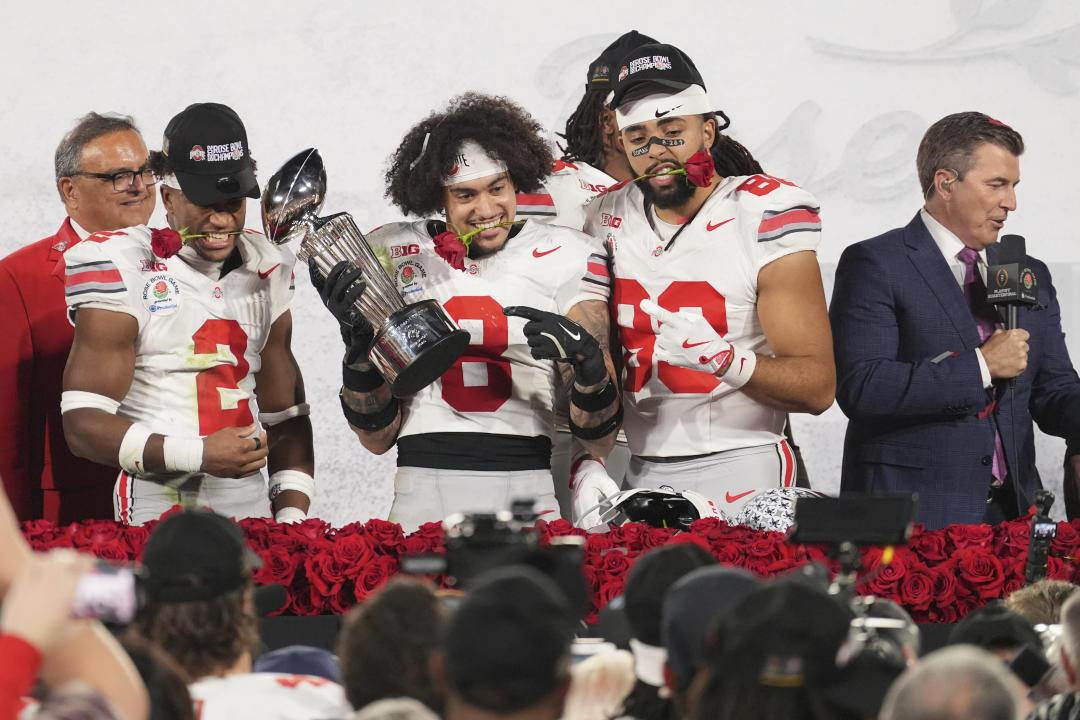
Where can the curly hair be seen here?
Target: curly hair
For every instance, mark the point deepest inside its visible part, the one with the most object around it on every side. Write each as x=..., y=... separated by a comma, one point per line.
x=203, y=637
x=503, y=128
x=584, y=139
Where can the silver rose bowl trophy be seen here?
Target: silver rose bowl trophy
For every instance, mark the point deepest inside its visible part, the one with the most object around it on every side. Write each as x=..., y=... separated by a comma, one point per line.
x=414, y=344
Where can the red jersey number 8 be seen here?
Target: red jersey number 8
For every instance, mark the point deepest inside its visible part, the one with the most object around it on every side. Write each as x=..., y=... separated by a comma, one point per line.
x=494, y=341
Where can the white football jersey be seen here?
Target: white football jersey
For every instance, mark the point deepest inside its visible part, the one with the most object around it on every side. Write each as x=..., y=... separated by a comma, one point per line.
x=200, y=338
x=565, y=195
x=496, y=386
x=268, y=696
x=712, y=268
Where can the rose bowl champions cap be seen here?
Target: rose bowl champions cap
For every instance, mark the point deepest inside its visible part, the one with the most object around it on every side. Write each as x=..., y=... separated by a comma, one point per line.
x=207, y=148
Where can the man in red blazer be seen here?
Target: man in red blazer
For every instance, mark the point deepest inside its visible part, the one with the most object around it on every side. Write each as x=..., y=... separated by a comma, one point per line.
x=104, y=180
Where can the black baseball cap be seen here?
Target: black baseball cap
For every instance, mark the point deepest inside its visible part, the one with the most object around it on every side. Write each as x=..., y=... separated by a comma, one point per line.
x=691, y=606
x=995, y=626
x=599, y=76
x=196, y=555
x=508, y=642
x=207, y=148
x=648, y=581
x=654, y=63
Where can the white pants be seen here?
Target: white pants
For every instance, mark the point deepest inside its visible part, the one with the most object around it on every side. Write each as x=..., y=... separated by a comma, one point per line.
x=424, y=495
x=727, y=478
x=137, y=500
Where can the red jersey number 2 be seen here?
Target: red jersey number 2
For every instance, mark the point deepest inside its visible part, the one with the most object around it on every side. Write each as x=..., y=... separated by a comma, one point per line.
x=210, y=339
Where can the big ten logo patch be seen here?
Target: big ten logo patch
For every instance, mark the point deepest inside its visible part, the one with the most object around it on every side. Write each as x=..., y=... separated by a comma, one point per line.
x=610, y=221
x=152, y=266
x=591, y=187
x=399, y=251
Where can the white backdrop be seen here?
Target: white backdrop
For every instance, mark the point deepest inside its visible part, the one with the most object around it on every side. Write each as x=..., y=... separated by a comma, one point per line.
x=833, y=95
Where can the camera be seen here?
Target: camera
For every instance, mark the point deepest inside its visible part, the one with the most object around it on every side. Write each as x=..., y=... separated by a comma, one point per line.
x=1043, y=532
x=478, y=542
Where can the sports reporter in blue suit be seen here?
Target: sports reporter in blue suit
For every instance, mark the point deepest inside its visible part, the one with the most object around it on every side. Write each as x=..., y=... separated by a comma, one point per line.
x=926, y=395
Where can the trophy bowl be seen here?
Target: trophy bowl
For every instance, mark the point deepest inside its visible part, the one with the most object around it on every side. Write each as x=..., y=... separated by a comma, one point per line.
x=414, y=344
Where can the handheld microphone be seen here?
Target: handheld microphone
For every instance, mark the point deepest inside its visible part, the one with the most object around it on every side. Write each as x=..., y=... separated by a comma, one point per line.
x=1010, y=282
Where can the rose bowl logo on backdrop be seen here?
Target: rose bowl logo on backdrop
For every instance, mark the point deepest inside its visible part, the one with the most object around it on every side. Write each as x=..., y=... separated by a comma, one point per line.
x=197, y=153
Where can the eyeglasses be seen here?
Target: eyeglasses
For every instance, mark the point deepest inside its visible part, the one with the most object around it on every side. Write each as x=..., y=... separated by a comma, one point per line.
x=124, y=179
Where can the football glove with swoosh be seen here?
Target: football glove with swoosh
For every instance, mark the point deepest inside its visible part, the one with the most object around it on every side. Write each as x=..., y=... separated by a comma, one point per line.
x=553, y=337
x=688, y=340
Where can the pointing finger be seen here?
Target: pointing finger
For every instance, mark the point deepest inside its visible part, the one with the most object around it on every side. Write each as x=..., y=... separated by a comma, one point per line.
x=524, y=311
x=655, y=311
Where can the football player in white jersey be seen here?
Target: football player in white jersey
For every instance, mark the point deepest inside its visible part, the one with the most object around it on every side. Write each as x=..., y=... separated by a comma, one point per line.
x=717, y=292
x=181, y=372
x=592, y=160
x=480, y=436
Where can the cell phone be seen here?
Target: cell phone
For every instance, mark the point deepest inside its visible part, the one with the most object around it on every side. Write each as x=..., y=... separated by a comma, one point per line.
x=107, y=593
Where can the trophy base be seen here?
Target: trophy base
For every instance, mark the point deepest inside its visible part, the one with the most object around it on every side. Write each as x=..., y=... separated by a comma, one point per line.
x=415, y=345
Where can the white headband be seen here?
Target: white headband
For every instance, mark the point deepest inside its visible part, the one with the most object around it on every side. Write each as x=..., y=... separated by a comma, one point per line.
x=472, y=162
x=691, y=100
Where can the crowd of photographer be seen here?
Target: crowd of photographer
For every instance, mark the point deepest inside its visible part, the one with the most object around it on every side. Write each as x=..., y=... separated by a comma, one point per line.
x=689, y=639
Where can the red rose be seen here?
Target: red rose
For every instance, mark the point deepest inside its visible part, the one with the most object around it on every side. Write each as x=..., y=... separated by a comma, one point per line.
x=781, y=566
x=655, y=537
x=432, y=534
x=306, y=531
x=699, y=169
x=930, y=546
x=279, y=565
x=352, y=552
x=944, y=584
x=886, y=577
x=729, y=554
x=613, y=564
x=387, y=536
x=964, y=536
x=375, y=575
x=1011, y=539
x=609, y=590
x=340, y=603
x=325, y=573
x=692, y=539
x=165, y=242
x=558, y=527
x=115, y=550
x=980, y=572
x=301, y=602
x=135, y=536
x=765, y=547
x=1066, y=541
x=917, y=588
x=449, y=247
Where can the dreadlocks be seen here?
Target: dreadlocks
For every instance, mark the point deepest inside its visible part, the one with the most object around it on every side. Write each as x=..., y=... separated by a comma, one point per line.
x=729, y=155
x=584, y=141
x=426, y=154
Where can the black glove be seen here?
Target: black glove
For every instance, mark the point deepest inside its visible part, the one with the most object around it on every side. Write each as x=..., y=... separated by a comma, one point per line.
x=339, y=291
x=553, y=337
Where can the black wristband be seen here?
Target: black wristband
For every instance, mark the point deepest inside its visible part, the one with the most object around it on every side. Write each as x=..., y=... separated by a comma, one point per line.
x=370, y=421
x=591, y=402
x=360, y=380
x=599, y=431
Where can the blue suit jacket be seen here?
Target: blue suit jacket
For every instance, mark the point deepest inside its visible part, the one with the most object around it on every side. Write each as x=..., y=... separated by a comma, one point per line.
x=908, y=379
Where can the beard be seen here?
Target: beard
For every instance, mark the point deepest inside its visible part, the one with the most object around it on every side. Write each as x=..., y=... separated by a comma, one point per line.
x=673, y=196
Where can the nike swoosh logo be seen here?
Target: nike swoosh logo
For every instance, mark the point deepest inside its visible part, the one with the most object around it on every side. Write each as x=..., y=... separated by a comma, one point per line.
x=576, y=336
x=710, y=359
x=263, y=275
x=662, y=114
x=537, y=253
x=688, y=345
x=728, y=497
x=710, y=227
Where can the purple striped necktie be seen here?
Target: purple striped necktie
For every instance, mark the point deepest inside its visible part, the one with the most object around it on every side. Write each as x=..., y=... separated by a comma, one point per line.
x=986, y=321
